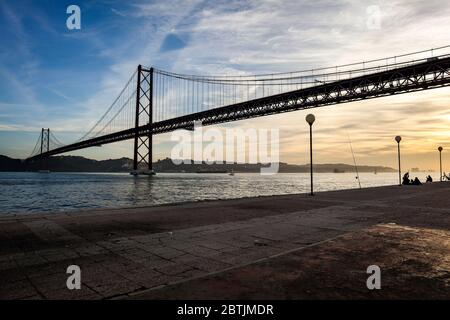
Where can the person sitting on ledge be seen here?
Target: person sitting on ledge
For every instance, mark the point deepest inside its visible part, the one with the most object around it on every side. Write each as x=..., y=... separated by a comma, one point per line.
x=444, y=176
x=416, y=182
x=406, y=179
x=429, y=179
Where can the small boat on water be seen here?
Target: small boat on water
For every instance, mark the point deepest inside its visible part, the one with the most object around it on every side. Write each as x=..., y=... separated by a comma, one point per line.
x=44, y=171
x=231, y=173
x=210, y=171
x=143, y=172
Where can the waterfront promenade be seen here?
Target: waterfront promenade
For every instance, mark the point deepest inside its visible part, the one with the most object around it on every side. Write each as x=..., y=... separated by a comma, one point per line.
x=281, y=247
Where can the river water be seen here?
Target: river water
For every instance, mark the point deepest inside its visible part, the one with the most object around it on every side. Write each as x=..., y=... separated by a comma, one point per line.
x=28, y=192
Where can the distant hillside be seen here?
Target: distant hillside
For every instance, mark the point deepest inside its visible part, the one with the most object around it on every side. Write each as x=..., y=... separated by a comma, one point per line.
x=9, y=164
x=167, y=165
x=81, y=164
x=68, y=164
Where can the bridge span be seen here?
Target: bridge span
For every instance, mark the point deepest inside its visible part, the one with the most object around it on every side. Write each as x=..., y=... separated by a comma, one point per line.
x=156, y=101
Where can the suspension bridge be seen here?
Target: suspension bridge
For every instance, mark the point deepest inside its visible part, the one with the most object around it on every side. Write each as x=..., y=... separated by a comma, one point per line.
x=155, y=101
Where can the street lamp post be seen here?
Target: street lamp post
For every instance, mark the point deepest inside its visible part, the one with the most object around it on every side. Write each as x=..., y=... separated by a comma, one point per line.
x=310, y=119
x=398, y=139
x=440, y=163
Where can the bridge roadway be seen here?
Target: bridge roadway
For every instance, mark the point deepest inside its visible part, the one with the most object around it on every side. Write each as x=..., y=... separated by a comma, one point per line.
x=433, y=73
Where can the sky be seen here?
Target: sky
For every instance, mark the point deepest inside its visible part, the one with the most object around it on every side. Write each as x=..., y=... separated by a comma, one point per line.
x=64, y=79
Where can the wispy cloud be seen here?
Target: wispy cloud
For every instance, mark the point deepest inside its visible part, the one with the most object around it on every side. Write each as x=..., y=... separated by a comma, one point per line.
x=119, y=13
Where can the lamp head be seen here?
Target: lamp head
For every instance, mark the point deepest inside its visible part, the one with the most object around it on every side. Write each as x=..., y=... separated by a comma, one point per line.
x=310, y=119
x=440, y=149
x=398, y=139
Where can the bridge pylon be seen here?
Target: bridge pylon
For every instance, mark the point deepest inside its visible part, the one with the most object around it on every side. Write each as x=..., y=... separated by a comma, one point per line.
x=143, y=145
x=45, y=147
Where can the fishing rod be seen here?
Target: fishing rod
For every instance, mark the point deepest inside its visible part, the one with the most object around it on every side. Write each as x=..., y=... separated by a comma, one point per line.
x=354, y=160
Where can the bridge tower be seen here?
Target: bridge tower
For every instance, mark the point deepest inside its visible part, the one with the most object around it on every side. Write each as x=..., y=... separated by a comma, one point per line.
x=45, y=147
x=45, y=140
x=143, y=145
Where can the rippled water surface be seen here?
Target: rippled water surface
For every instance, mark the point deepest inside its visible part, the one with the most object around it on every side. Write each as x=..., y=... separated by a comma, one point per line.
x=28, y=192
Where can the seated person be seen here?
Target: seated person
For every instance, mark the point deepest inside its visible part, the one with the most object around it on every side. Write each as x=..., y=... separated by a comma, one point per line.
x=429, y=178
x=406, y=179
x=416, y=182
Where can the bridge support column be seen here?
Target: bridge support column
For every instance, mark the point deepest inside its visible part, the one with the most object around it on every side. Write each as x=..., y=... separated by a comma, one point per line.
x=143, y=144
x=45, y=147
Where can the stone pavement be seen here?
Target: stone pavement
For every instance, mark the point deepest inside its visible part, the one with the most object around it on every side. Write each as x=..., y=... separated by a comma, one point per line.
x=138, y=252
x=414, y=264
